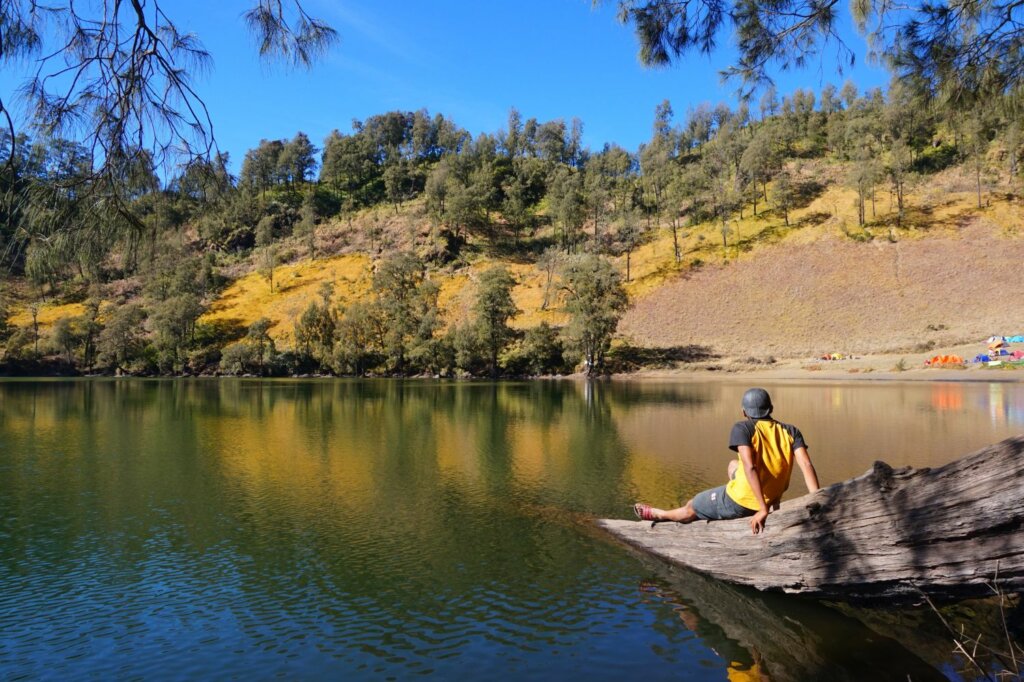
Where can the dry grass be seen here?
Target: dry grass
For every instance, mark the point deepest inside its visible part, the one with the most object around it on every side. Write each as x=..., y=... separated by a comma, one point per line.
x=458, y=292
x=837, y=295
x=811, y=288
x=249, y=298
x=48, y=315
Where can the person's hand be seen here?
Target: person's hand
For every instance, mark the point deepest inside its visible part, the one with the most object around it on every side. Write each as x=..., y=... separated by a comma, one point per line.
x=757, y=521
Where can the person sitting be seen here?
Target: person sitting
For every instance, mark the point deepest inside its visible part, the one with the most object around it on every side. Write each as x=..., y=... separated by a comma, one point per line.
x=760, y=475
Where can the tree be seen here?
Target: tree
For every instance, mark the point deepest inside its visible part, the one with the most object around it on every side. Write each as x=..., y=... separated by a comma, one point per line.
x=262, y=167
x=543, y=349
x=960, y=50
x=121, y=340
x=406, y=304
x=298, y=159
x=358, y=339
x=863, y=175
x=681, y=191
x=721, y=195
x=898, y=169
x=174, y=321
x=629, y=235
x=65, y=338
x=784, y=193
x=436, y=189
x=90, y=328
x=976, y=146
x=494, y=308
x=266, y=257
x=306, y=227
x=565, y=197
x=117, y=78
x=549, y=261
x=258, y=336
x=595, y=301
x=760, y=160
x=315, y=329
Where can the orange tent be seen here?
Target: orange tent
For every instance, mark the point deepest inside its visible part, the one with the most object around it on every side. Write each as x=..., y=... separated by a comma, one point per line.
x=945, y=360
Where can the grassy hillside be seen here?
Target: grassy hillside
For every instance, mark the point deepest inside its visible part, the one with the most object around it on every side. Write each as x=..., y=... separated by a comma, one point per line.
x=820, y=284
x=823, y=285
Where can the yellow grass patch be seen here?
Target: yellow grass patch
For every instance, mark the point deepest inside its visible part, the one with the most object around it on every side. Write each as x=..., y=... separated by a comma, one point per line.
x=48, y=314
x=295, y=286
x=458, y=293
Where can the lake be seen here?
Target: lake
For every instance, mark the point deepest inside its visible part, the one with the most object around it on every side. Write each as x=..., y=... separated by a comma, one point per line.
x=332, y=529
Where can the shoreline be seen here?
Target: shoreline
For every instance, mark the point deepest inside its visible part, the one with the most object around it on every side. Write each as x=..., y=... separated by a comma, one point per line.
x=877, y=367
x=799, y=375
x=883, y=367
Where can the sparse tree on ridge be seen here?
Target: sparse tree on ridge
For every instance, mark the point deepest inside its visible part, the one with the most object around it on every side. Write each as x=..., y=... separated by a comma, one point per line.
x=783, y=193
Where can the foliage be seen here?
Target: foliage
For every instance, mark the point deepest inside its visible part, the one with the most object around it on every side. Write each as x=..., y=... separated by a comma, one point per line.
x=115, y=81
x=530, y=194
x=494, y=308
x=315, y=330
x=254, y=354
x=539, y=352
x=957, y=50
x=406, y=305
x=121, y=341
x=595, y=300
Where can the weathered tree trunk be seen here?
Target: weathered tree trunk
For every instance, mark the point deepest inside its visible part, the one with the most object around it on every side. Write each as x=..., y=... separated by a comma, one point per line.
x=890, y=533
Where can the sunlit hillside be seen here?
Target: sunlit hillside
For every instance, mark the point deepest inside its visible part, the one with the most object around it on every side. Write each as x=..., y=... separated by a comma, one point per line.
x=823, y=283
x=295, y=285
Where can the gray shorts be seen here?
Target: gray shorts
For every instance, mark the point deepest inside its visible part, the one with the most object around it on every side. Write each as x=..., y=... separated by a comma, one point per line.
x=715, y=505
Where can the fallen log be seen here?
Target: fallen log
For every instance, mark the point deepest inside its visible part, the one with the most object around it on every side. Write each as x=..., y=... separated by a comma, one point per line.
x=889, y=533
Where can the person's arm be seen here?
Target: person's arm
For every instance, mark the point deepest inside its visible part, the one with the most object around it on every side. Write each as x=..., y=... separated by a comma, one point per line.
x=747, y=459
x=803, y=460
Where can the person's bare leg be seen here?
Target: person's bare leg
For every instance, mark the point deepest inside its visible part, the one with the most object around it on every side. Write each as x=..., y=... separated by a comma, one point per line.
x=684, y=514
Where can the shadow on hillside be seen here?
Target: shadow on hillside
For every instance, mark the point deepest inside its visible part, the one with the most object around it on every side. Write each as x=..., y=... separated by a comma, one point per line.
x=806, y=191
x=629, y=358
x=812, y=218
x=220, y=331
x=524, y=252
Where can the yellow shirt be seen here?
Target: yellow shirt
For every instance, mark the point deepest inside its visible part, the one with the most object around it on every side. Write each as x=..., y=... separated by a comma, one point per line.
x=773, y=462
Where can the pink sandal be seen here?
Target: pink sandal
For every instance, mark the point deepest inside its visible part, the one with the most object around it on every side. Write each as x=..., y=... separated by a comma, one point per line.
x=643, y=512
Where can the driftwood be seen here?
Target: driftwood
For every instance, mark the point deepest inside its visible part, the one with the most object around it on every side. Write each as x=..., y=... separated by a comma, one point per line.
x=890, y=533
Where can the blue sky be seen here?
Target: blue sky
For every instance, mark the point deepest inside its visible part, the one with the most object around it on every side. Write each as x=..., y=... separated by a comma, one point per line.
x=471, y=61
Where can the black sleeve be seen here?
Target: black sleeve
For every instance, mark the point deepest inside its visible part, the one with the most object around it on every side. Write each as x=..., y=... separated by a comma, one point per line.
x=742, y=434
x=798, y=438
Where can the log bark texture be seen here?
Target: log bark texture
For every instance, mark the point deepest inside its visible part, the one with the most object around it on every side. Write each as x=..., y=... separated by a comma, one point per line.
x=889, y=533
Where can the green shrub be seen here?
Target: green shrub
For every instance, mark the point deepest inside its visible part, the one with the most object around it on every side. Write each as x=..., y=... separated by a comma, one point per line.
x=237, y=358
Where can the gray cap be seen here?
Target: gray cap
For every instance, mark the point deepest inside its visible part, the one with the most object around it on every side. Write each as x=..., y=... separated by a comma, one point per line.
x=757, y=403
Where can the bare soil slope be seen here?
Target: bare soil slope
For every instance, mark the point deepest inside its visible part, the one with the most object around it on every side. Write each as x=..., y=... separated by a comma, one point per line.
x=837, y=295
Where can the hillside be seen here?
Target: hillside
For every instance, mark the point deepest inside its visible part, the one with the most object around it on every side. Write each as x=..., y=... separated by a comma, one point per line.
x=945, y=278
x=819, y=286
x=874, y=224
x=836, y=295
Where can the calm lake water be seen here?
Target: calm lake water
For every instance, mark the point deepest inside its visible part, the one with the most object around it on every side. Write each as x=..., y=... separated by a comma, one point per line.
x=372, y=530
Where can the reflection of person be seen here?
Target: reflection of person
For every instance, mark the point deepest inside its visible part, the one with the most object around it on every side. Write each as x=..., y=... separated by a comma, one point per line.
x=743, y=663
x=767, y=450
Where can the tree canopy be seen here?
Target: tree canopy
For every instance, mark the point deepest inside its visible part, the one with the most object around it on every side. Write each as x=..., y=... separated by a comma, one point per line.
x=118, y=78
x=959, y=50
